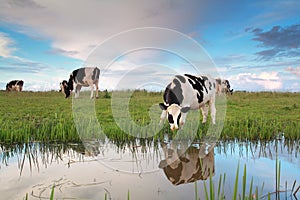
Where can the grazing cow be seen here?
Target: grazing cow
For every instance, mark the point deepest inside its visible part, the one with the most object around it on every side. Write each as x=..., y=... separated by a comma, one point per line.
x=16, y=85
x=188, y=92
x=62, y=86
x=186, y=167
x=86, y=77
x=223, y=86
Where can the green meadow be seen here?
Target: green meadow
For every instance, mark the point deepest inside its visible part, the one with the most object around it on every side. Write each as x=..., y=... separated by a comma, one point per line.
x=48, y=117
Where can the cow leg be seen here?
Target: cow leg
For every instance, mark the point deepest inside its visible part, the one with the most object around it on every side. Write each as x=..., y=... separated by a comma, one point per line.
x=77, y=90
x=204, y=110
x=92, y=91
x=212, y=110
x=97, y=88
x=163, y=116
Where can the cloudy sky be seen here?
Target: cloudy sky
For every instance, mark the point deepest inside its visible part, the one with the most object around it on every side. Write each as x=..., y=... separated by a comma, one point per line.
x=253, y=44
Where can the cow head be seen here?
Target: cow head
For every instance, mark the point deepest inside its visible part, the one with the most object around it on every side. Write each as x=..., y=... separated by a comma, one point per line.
x=67, y=86
x=7, y=87
x=227, y=87
x=64, y=88
x=174, y=113
x=223, y=86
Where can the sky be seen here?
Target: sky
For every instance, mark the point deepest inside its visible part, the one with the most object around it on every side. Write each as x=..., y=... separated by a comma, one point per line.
x=142, y=44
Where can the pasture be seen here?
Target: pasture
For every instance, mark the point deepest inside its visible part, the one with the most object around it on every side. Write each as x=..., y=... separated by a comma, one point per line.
x=38, y=139
x=47, y=116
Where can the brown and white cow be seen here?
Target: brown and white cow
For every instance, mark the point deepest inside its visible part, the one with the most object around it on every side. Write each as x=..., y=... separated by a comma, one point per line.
x=16, y=85
x=187, y=92
x=185, y=167
x=83, y=77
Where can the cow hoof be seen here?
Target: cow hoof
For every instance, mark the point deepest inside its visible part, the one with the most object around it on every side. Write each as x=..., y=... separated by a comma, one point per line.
x=97, y=97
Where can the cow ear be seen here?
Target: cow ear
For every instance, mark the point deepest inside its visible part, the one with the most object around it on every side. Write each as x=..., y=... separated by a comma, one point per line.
x=185, y=109
x=163, y=106
x=184, y=159
x=162, y=164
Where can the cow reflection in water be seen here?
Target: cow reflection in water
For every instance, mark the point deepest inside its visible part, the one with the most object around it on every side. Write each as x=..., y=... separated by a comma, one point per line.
x=185, y=167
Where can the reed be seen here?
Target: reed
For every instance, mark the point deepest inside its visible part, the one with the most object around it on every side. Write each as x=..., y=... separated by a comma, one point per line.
x=209, y=193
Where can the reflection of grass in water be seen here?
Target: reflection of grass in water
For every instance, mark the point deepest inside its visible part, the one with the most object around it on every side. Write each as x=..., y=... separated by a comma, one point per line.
x=210, y=193
x=60, y=185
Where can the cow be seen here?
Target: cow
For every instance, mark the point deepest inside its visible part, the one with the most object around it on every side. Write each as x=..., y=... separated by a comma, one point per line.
x=187, y=92
x=223, y=87
x=83, y=77
x=186, y=167
x=16, y=85
x=62, y=86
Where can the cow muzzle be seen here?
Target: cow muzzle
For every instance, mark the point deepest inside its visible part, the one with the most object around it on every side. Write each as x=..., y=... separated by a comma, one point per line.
x=174, y=127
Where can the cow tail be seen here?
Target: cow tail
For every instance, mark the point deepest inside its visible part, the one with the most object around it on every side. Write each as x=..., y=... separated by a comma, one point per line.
x=98, y=73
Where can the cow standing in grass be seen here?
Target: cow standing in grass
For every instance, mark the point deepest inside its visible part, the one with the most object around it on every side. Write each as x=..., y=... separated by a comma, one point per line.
x=16, y=85
x=62, y=86
x=82, y=77
x=223, y=87
x=188, y=92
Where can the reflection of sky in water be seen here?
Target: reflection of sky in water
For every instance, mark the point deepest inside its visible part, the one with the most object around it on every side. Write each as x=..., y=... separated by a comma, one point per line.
x=83, y=177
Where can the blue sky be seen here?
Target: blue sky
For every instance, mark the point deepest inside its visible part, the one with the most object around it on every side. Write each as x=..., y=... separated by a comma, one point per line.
x=254, y=44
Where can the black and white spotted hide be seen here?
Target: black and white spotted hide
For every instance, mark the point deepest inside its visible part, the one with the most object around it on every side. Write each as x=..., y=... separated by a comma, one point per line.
x=187, y=92
x=83, y=77
x=15, y=85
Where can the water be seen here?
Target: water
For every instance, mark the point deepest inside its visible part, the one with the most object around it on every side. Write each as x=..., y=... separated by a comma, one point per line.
x=146, y=169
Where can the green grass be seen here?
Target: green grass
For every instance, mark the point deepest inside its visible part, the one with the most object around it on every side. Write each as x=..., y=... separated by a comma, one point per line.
x=47, y=116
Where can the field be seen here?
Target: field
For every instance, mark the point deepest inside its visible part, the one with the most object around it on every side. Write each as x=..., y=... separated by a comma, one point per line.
x=45, y=120
x=48, y=117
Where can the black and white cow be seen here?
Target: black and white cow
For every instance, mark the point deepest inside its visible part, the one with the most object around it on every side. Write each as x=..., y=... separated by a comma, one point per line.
x=62, y=86
x=83, y=77
x=185, y=167
x=223, y=86
x=16, y=85
x=187, y=92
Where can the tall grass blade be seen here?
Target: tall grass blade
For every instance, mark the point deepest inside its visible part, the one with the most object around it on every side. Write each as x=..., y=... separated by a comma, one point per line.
x=128, y=195
x=196, y=191
x=236, y=183
x=211, y=186
x=244, y=183
x=250, y=190
x=205, y=191
x=52, y=193
x=261, y=190
x=219, y=186
x=223, y=188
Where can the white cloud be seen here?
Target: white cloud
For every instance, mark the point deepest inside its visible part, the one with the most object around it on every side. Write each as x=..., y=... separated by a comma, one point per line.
x=295, y=71
x=252, y=81
x=77, y=26
x=6, y=46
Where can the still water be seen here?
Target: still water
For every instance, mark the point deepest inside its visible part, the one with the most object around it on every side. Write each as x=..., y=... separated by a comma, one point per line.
x=144, y=169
